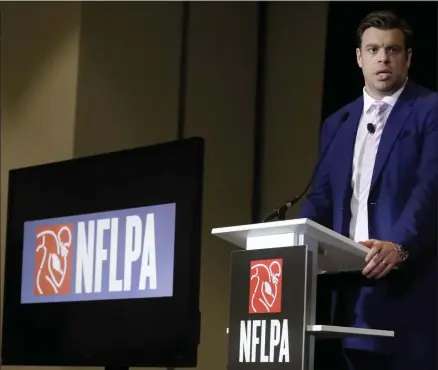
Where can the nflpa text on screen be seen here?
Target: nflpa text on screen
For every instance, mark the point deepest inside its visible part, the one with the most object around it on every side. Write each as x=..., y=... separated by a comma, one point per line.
x=111, y=255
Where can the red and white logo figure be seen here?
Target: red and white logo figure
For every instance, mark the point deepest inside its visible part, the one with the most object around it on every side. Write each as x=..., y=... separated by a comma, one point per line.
x=53, y=259
x=265, y=286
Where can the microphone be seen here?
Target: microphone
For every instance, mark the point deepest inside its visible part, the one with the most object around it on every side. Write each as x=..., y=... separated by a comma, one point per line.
x=280, y=213
x=371, y=128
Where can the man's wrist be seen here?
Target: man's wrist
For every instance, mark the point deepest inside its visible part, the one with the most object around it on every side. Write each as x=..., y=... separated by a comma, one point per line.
x=402, y=252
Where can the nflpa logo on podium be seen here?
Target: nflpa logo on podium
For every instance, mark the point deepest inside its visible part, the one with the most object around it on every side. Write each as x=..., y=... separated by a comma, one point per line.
x=267, y=326
x=265, y=286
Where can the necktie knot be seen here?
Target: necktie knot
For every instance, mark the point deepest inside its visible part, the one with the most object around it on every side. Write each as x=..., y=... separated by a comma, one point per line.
x=379, y=108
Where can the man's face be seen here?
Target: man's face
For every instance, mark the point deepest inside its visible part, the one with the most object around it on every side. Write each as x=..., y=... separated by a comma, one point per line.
x=384, y=61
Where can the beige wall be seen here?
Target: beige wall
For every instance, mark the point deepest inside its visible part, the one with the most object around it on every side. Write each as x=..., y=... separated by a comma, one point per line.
x=128, y=75
x=39, y=73
x=79, y=79
x=294, y=84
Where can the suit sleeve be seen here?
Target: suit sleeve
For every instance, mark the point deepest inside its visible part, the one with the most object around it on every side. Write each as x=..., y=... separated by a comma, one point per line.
x=416, y=228
x=318, y=204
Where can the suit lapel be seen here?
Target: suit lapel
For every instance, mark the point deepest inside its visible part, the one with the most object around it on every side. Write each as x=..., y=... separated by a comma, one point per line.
x=397, y=118
x=347, y=142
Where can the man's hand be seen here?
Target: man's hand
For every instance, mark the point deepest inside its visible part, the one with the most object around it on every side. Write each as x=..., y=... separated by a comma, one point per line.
x=381, y=259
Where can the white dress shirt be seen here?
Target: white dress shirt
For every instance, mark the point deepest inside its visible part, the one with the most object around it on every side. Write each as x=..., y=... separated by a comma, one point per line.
x=359, y=207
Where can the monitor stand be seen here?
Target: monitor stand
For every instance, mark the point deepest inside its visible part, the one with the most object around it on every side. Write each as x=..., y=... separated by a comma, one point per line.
x=116, y=367
x=127, y=368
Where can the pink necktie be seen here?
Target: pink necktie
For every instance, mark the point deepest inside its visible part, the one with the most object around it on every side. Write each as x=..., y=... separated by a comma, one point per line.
x=370, y=151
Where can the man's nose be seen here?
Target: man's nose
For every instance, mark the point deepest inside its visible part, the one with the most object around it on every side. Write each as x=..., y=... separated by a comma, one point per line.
x=383, y=55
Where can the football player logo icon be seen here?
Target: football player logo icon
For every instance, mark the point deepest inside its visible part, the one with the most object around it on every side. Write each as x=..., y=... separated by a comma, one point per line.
x=53, y=260
x=265, y=286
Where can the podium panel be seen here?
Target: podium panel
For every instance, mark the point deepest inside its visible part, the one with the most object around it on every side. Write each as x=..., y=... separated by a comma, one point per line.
x=269, y=309
x=273, y=292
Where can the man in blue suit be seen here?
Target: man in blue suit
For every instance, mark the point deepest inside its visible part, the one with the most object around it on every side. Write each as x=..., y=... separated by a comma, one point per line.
x=378, y=186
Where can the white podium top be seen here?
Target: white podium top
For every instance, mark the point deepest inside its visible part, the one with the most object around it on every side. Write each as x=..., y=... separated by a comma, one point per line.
x=336, y=252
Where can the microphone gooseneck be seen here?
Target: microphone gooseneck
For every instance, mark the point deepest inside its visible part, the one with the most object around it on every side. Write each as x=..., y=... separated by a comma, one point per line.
x=280, y=213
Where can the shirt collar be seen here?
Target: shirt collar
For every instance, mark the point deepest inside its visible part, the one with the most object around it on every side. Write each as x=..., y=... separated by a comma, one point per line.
x=391, y=100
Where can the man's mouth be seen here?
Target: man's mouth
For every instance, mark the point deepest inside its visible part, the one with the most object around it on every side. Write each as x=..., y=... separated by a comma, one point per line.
x=383, y=74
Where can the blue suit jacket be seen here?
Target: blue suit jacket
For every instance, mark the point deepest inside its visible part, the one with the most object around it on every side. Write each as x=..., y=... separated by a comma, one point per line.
x=402, y=208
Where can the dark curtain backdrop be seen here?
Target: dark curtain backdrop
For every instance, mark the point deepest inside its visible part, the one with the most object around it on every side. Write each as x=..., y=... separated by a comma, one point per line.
x=343, y=80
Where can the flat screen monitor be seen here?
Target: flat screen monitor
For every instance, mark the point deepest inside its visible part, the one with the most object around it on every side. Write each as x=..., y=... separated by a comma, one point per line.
x=103, y=259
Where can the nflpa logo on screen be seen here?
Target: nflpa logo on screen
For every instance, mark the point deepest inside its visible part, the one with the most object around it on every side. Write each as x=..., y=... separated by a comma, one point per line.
x=53, y=260
x=265, y=286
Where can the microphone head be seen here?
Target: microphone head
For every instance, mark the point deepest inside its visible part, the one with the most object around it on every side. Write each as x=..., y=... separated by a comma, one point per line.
x=345, y=116
x=371, y=129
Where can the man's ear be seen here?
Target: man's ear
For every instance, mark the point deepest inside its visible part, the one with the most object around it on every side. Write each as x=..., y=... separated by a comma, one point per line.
x=359, y=57
x=409, y=56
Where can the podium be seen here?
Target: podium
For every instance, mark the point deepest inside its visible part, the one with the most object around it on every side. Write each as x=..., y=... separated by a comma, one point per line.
x=273, y=291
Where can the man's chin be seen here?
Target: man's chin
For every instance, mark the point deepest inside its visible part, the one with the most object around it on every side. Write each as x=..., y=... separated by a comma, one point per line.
x=385, y=86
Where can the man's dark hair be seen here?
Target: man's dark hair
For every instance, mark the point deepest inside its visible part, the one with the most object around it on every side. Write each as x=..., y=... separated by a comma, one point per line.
x=385, y=20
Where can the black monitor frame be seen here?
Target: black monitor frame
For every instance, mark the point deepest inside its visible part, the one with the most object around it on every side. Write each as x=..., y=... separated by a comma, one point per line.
x=163, y=332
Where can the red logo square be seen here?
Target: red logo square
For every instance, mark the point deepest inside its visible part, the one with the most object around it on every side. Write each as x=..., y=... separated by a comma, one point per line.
x=53, y=260
x=265, y=286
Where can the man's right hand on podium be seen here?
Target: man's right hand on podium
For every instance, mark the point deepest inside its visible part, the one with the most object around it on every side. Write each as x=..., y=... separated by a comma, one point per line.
x=381, y=259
